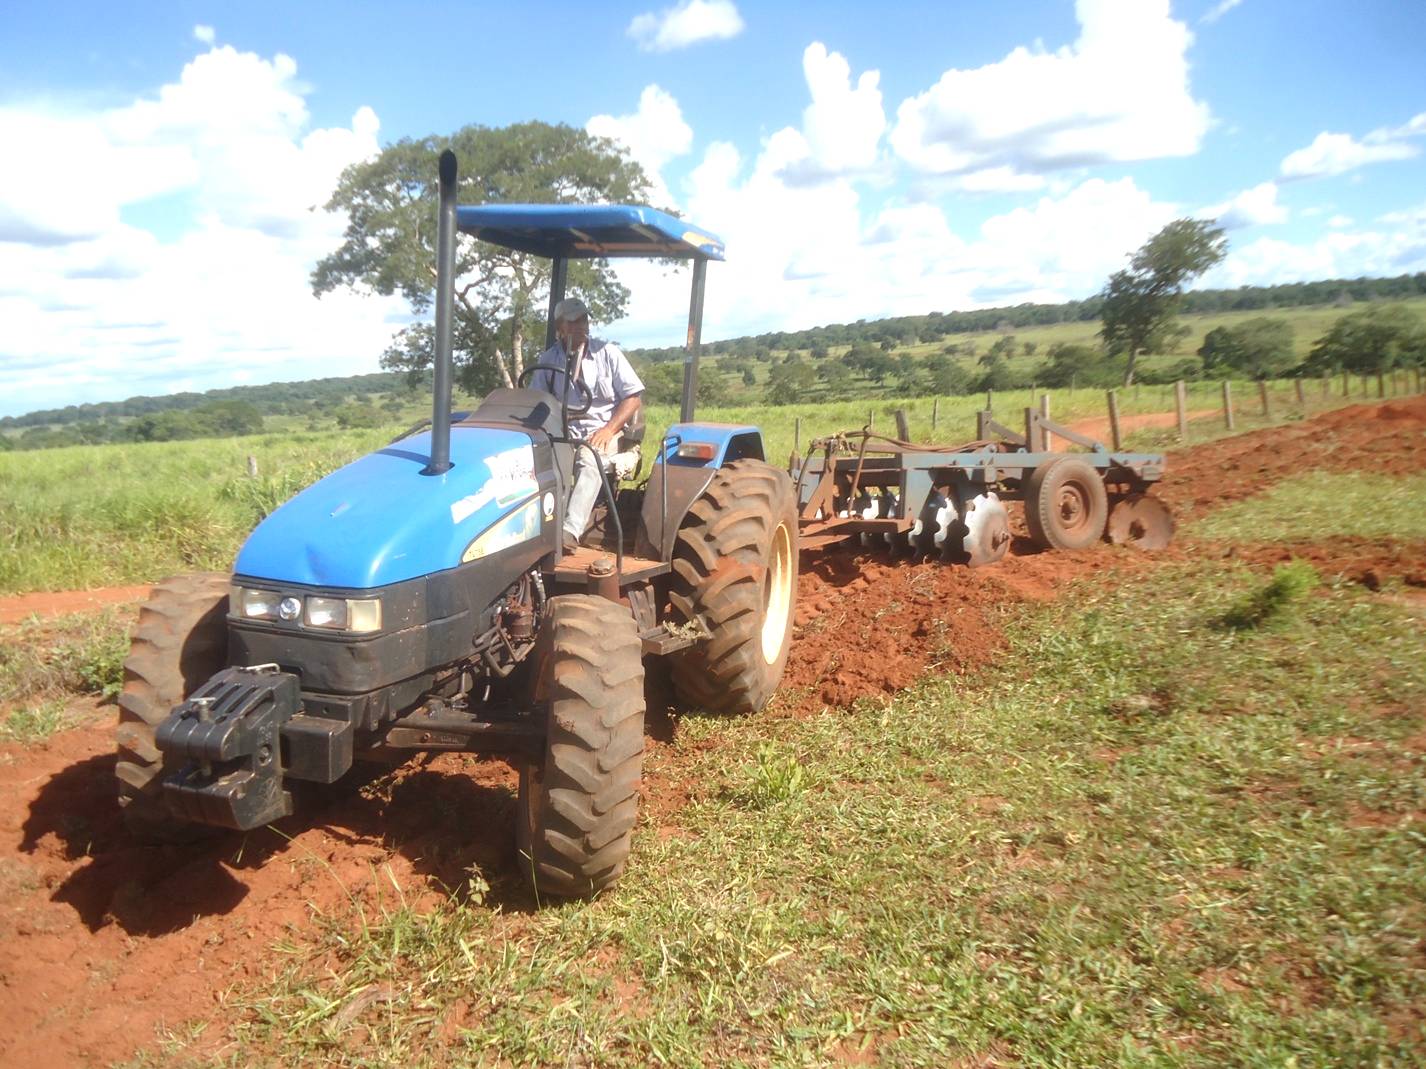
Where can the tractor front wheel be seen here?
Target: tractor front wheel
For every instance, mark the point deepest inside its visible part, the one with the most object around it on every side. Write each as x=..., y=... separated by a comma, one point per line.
x=578, y=806
x=181, y=640
x=735, y=569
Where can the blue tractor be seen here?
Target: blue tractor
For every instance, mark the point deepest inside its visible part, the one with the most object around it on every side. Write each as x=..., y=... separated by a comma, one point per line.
x=420, y=600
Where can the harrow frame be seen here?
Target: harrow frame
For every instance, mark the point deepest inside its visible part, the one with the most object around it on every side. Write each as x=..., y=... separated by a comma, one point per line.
x=838, y=468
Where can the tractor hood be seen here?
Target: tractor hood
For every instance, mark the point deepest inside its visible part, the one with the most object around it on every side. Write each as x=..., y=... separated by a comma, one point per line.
x=379, y=521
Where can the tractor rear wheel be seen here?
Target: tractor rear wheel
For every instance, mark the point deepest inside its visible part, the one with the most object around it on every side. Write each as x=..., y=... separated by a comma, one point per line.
x=735, y=569
x=1066, y=505
x=578, y=806
x=180, y=641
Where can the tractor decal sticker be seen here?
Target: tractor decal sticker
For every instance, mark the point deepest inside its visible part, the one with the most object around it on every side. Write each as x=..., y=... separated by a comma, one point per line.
x=512, y=478
x=512, y=474
x=519, y=526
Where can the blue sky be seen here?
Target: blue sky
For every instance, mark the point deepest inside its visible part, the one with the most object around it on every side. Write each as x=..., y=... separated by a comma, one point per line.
x=861, y=160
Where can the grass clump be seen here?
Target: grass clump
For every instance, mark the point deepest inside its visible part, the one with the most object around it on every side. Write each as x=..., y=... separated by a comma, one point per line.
x=1273, y=601
x=79, y=654
x=775, y=778
x=33, y=724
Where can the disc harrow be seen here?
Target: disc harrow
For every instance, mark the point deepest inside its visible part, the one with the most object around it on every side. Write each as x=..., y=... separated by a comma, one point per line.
x=921, y=501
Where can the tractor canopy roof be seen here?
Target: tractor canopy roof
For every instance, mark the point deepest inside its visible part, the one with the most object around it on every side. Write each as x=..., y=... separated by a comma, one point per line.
x=587, y=231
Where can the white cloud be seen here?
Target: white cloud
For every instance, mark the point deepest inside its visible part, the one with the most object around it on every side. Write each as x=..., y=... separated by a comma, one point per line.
x=1119, y=93
x=1220, y=9
x=1337, y=222
x=204, y=34
x=1332, y=154
x=654, y=134
x=97, y=308
x=687, y=23
x=1252, y=207
x=1398, y=248
x=801, y=254
x=842, y=126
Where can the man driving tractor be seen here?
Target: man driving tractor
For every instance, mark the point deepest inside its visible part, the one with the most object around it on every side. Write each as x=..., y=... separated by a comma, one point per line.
x=616, y=397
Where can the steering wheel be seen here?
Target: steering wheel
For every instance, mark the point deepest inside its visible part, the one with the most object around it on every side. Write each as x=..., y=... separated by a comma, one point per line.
x=583, y=390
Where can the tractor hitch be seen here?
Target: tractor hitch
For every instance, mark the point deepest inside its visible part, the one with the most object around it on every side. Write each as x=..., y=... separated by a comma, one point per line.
x=228, y=735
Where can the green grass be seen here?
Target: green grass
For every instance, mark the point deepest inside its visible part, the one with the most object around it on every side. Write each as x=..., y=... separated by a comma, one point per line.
x=89, y=516
x=1138, y=839
x=34, y=723
x=1317, y=506
x=82, y=653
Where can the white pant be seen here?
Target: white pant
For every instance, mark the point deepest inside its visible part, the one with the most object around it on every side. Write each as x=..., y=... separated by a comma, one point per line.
x=588, y=486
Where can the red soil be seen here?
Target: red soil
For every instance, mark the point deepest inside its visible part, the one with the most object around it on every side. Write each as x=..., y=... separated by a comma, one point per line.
x=57, y=603
x=103, y=940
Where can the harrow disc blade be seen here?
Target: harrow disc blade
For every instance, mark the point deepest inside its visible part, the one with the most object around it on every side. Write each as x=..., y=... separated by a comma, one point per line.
x=979, y=535
x=1140, y=520
x=987, y=538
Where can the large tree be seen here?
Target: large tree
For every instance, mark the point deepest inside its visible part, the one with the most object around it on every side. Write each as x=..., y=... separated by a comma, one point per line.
x=1260, y=348
x=389, y=244
x=1378, y=338
x=1141, y=301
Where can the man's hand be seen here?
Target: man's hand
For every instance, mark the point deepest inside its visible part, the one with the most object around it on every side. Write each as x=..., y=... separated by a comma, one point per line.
x=602, y=439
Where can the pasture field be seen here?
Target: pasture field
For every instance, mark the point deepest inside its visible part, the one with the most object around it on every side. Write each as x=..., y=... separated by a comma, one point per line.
x=88, y=516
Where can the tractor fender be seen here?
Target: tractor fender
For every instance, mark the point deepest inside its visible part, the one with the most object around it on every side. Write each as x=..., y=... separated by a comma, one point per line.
x=695, y=452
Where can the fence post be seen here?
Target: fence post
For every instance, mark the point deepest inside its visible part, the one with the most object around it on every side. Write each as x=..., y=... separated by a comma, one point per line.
x=1346, y=383
x=1033, y=435
x=1267, y=402
x=1045, y=414
x=988, y=406
x=903, y=425
x=252, y=467
x=870, y=418
x=1301, y=397
x=1227, y=404
x=1180, y=403
x=935, y=412
x=1114, y=436
x=797, y=435
x=1381, y=383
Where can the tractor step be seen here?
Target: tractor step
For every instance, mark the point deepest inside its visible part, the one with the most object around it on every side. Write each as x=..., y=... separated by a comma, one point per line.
x=658, y=641
x=585, y=564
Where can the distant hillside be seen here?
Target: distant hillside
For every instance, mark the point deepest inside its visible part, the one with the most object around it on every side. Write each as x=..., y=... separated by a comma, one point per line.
x=909, y=330
x=367, y=400
x=286, y=398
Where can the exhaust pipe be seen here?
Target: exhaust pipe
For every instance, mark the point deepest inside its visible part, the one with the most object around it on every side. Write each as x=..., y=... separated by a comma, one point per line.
x=445, y=306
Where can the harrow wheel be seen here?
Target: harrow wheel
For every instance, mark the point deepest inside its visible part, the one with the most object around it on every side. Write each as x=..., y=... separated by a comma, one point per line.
x=1066, y=505
x=577, y=808
x=735, y=569
x=1140, y=520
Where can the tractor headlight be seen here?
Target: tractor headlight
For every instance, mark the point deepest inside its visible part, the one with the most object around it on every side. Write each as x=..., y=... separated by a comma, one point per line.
x=256, y=604
x=359, y=615
x=355, y=615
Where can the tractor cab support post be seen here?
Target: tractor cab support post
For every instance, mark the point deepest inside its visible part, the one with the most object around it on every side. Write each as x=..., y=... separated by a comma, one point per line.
x=559, y=274
x=445, y=302
x=695, y=337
